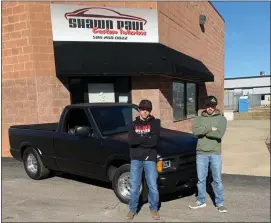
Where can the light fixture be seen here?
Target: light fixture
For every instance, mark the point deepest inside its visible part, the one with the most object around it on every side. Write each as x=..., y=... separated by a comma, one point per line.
x=202, y=19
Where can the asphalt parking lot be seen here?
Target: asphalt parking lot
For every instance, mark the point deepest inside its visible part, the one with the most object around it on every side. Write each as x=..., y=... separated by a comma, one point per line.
x=74, y=199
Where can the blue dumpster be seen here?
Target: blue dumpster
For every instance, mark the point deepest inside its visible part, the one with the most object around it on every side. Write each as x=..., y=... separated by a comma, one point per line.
x=243, y=104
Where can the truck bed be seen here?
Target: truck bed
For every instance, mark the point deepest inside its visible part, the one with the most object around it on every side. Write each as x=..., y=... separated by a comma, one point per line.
x=51, y=127
x=36, y=136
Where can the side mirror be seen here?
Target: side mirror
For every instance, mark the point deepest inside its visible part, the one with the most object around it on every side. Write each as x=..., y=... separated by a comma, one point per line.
x=83, y=131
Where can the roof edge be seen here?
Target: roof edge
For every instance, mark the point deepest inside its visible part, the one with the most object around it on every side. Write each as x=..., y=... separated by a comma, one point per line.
x=216, y=11
x=248, y=77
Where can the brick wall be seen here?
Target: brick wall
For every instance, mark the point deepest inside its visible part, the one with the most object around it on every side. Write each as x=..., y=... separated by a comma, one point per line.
x=33, y=94
x=31, y=91
x=179, y=29
x=158, y=90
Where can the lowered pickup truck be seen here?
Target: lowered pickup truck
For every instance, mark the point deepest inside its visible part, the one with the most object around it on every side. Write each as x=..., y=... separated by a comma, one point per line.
x=91, y=140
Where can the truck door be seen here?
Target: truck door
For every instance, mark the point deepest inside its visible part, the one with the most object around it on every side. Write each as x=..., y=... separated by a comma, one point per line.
x=75, y=154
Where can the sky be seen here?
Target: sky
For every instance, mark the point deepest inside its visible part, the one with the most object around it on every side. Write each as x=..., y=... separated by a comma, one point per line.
x=247, y=37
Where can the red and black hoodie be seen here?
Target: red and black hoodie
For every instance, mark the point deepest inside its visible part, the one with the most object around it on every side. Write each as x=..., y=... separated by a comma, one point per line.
x=143, y=138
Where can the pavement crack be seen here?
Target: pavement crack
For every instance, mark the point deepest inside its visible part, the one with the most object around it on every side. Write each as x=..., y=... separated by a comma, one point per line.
x=21, y=201
x=8, y=217
x=112, y=207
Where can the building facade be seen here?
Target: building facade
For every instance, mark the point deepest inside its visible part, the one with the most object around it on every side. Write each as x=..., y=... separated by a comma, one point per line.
x=256, y=87
x=58, y=53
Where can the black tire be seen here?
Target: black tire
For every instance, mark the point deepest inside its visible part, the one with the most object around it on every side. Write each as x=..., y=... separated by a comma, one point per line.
x=122, y=170
x=41, y=171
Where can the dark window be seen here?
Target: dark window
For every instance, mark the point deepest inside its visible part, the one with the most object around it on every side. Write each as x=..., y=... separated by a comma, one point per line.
x=76, y=90
x=113, y=120
x=184, y=100
x=191, y=100
x=262, y=97
x=178, y=101
x=74, y=118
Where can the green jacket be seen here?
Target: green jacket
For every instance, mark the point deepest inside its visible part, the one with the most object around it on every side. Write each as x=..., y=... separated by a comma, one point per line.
x=209, y=142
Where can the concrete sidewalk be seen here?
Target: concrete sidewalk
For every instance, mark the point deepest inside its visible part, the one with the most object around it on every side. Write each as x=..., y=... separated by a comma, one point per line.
x=244, y=149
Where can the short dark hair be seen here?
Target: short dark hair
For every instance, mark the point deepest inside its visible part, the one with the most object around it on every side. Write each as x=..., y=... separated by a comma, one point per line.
x=145, y=104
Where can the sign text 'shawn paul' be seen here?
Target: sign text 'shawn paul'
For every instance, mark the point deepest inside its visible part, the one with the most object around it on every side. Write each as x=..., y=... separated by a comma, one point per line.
x=110, y=27
x=88, y=23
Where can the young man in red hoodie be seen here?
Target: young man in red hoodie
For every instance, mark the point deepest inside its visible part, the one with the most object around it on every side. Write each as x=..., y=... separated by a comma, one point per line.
x=144, y=133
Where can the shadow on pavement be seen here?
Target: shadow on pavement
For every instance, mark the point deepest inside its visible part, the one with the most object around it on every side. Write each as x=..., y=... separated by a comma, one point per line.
x=165, y=198
x=178, y=195
x=84, y=180
x=188, y=193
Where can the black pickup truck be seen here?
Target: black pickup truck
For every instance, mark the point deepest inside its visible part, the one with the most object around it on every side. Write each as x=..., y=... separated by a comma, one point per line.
x=91, y=140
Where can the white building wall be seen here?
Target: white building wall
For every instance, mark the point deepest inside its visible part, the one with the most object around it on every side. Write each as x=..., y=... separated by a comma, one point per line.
x=247, y=91
x=258, y=85
x=247, y=82
x=263, y=90
x=266, y=100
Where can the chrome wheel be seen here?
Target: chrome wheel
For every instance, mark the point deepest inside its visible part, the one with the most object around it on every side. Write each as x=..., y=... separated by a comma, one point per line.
x=124, y=185
x=32, y=163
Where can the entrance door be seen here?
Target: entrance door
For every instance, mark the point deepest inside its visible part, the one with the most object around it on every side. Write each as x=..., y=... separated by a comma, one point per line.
x=101, y=92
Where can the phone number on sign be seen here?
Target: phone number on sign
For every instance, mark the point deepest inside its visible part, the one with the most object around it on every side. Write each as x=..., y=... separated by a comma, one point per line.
x=111, y=37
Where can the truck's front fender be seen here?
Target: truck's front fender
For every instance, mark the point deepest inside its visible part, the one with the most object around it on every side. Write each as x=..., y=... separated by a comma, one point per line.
x=115, y=159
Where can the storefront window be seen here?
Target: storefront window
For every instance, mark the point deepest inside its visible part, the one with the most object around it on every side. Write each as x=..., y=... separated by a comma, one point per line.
x=95, y=89
x=178, y=104
x=184, y=100
x=191, y=100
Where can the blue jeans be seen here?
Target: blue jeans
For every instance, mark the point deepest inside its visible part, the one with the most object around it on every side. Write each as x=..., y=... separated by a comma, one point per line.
x=215, y=162
x=151, y=175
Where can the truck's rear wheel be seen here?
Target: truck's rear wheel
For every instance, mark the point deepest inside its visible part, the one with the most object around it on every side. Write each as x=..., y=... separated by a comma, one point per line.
x=33, y=165
x=122, y=187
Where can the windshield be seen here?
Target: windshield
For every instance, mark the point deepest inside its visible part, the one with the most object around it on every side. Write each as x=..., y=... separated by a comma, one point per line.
x=115, y=119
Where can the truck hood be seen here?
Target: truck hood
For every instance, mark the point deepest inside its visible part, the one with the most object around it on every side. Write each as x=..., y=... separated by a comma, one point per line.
x=171, y=142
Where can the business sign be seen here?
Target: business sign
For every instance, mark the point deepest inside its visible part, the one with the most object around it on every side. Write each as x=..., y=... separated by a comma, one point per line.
x=103, y=24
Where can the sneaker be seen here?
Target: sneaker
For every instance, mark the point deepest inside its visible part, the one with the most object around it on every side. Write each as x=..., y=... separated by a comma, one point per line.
x=197, y=205
x=155, y=215
x=130, y=215
x=222, y=209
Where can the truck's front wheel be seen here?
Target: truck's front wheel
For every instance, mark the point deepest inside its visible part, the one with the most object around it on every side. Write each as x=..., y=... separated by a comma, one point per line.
x=122, y=186
x=33, y=165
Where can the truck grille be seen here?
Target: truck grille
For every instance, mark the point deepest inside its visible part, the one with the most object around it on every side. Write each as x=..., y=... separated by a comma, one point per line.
x=187, y=161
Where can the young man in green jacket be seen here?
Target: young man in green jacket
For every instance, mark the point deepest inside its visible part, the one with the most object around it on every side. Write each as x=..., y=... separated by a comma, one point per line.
x=210, y=127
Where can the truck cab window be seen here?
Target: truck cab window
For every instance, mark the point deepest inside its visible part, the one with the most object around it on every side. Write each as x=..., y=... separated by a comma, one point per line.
x=75, y=118
x=114, y=120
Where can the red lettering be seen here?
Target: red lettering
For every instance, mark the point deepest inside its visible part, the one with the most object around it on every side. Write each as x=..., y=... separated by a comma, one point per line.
x=133, y=33
x=96, y=30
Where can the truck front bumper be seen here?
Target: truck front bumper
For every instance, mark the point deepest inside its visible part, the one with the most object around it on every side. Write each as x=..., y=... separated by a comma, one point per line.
x=172, y=182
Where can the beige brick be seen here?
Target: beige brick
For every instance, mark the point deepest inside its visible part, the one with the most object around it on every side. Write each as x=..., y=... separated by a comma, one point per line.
x=182, y=19
x=29, y=81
